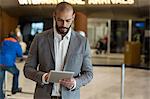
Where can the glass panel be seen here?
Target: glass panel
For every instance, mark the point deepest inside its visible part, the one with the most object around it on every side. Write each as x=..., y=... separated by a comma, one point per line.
x=98, y=34
x=138, y=28
x=91, y=35
x=119, y=34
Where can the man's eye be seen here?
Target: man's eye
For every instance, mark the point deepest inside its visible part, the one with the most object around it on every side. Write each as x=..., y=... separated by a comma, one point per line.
x=68, y=20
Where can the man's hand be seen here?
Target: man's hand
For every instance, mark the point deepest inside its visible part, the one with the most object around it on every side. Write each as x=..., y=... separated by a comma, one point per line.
x=46, y=77
x=69, y=83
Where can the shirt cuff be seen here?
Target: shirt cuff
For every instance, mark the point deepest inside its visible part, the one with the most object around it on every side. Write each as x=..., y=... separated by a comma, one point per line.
x=73, y=86
x=43, y=79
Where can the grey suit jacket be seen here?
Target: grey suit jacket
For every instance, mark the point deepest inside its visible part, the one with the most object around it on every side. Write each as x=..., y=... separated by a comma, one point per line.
x=41, y=60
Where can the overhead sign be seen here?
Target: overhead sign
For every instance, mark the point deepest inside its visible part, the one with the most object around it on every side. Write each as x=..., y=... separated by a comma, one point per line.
x=81, y=2
x=110, y=1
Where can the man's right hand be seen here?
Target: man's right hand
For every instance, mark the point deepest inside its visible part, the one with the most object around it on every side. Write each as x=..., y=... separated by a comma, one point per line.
x=45, y=78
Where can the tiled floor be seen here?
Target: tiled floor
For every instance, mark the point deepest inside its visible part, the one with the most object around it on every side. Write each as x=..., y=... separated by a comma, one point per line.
x=105, y=84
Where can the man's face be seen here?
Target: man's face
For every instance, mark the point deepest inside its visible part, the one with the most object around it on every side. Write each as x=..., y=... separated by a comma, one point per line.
x=64, y=21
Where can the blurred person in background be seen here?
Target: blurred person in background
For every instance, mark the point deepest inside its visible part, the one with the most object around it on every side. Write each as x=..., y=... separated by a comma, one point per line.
x=20, y=39
x=18, y=33
x=101, y=45
x=9, y=50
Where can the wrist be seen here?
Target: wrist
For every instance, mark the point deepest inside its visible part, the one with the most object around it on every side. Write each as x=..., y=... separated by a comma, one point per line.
x=45, y=78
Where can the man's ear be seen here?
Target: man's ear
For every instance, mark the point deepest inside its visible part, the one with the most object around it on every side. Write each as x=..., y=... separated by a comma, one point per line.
x=53, y=14
x=74, y=15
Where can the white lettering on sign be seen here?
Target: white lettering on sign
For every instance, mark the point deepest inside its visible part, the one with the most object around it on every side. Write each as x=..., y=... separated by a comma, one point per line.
x=75, y=1
x=110, y=1
x=99, y=2
x=25, y=2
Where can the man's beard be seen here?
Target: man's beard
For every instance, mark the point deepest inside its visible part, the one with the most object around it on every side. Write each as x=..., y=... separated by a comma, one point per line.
x=61, y=31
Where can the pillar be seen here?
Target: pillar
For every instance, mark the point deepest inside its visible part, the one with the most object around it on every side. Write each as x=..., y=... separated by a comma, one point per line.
x=8, y=23
x=80, y=23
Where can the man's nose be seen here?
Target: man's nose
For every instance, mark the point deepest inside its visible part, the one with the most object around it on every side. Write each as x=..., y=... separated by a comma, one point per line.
x=64, y=23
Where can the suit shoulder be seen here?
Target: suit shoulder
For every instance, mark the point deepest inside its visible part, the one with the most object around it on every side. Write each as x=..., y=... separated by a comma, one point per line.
x=79, y=36
x=45, y=33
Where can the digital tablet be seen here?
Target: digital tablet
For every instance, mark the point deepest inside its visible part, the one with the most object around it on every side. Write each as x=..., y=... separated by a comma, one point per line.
x=55, y=76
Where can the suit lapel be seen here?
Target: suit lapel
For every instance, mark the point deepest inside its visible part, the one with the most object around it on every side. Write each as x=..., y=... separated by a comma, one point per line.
x=71, y=47
x=51, y=43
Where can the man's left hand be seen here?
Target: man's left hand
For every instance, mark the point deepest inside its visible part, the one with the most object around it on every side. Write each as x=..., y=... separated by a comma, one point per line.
x=69, y=83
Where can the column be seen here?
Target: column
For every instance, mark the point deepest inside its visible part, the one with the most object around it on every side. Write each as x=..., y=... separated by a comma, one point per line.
x=80, y=23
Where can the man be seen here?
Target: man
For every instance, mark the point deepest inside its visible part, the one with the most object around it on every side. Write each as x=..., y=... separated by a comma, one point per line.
x=9, y=50
x=60, y=49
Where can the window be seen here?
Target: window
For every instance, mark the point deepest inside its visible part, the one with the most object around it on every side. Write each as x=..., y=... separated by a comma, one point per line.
x=36, y=28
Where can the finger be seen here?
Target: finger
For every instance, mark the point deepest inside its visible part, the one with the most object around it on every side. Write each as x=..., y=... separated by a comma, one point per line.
x=66, y=83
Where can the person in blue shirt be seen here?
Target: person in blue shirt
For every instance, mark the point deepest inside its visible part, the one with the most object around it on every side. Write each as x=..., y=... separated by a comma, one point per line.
x=9, y=50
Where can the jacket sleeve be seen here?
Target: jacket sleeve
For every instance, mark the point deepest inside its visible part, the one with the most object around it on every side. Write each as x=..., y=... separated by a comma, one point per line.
x=86, y=69
x=31, y=65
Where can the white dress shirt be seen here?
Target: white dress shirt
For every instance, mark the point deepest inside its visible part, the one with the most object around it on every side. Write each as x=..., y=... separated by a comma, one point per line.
x=60, y=47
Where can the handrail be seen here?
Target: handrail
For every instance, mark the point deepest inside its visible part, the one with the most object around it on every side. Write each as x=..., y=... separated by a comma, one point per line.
x=122, y=81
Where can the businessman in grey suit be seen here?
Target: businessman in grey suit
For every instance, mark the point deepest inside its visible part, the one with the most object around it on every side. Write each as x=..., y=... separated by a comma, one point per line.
x=60, y=49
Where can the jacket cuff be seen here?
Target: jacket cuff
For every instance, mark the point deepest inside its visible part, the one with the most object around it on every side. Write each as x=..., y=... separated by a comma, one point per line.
x=73, y=86
x=43, y=79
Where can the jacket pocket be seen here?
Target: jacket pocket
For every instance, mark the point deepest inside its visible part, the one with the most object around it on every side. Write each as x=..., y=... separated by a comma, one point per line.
x=74, y=63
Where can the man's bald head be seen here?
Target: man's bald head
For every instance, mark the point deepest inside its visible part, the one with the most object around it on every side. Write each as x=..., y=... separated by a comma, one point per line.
x=64, y=7
x=64, y=16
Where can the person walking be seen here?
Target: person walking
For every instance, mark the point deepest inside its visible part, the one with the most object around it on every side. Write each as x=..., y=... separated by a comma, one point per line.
x=9, y=50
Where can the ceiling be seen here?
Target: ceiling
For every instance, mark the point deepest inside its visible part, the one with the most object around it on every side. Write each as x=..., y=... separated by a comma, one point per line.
x=140, y=9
